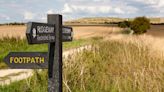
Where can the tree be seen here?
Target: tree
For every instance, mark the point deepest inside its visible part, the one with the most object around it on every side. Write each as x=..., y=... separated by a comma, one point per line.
x=124, y=24
x=140, y=25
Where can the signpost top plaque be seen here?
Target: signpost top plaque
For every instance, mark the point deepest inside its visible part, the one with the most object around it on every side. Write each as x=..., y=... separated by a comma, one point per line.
x=38, y=33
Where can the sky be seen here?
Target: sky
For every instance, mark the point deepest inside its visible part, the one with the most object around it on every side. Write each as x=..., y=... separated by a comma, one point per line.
x=37, y=10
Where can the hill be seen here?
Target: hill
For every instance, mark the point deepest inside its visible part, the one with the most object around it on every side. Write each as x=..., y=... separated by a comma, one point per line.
x=109, y=20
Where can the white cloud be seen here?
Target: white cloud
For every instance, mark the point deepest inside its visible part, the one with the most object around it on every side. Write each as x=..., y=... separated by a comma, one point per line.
x=2, y=16
x=157, y=5
x=72, y=8
x=97, y=0
x=67, y=9
x=98, y=9
x=153, y=3
x=7, y=18
x=50, y=11
x=44, y=18
x=119, y=11
x=105, y=9
x=28, y=15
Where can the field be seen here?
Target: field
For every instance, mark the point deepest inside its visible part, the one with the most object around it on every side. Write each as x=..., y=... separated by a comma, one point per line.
x=12, y=31
x=115, y=63
x=156, y=30
x=108, y=20
x=82, y=32
x=125, y=64
x=79, y=31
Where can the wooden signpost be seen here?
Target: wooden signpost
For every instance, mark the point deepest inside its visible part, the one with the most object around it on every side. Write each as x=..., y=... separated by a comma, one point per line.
x=53, y=33
x=55, y=56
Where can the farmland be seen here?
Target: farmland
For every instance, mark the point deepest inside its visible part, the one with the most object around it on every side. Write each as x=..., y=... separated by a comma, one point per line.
x=108, y=20
x=81, y=31
x=12, y=31
x=156, y=30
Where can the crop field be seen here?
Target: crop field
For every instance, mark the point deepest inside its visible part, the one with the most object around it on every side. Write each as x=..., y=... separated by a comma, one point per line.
x=156, y=30
x=80, y=32
x=12, y=31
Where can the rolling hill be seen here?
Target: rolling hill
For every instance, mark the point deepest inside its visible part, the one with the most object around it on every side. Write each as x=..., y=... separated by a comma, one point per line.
x=108, y=20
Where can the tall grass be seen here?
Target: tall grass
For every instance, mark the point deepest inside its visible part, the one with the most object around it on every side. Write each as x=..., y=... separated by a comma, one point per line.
x=8, y=44
x=36, y=83
x=115, y=66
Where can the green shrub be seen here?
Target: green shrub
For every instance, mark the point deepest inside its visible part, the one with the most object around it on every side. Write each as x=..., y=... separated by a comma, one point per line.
x=124, y=24
x=140, y=25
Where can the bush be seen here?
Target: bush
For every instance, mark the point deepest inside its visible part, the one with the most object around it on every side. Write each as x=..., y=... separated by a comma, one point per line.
x=124, y=24
x=140, y=25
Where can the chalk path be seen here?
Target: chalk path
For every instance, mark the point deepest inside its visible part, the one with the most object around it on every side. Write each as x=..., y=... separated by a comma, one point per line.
x=11, y=75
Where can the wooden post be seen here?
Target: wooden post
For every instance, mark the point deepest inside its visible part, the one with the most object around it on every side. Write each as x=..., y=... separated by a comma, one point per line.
x=55, y=55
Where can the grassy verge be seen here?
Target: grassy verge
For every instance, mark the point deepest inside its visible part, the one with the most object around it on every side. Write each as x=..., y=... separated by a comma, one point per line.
x=16, y=44
x=114, y=66
x=36, y=83
x=110, y=66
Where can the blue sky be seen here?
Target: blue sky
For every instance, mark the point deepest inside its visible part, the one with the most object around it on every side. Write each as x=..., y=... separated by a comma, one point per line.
x=37, y=10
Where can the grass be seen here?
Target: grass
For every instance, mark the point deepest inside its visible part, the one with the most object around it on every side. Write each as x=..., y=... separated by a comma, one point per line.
x=10, y=75
x=115, y=66
x=8, y=44
x=124, y=65
x=36, y=83
x=32, y=84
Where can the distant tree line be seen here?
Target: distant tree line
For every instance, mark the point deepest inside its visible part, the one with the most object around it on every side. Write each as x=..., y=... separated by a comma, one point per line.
x=106, y=22
x=157, y=24
x=14, y=23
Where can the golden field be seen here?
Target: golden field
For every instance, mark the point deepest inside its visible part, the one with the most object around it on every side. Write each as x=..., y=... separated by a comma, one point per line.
x=106, y=20
x=12, y=31
x=81, y=31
